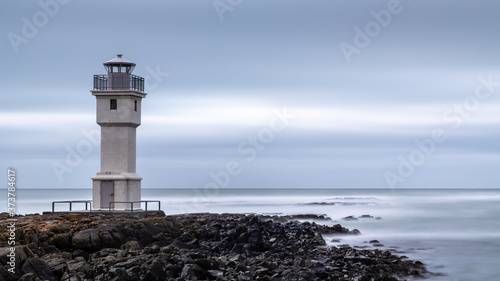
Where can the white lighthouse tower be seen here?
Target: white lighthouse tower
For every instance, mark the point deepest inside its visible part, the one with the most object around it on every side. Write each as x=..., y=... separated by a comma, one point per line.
x=119, y=95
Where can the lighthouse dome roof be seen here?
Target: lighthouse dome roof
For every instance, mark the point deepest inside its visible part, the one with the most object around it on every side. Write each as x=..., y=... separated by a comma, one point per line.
x=119, y=60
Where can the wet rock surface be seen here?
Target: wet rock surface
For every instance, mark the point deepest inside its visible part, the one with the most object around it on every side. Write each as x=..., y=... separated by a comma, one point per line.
x=363, y=217
x=190, y=247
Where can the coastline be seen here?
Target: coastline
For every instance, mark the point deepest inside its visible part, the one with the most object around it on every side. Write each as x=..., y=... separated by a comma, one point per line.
x=203, y=246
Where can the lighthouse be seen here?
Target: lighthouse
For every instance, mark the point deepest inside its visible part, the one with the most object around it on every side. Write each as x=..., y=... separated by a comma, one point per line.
x=119, y=94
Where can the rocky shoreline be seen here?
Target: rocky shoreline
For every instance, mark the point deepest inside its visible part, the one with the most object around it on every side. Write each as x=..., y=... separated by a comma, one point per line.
x=153, y=246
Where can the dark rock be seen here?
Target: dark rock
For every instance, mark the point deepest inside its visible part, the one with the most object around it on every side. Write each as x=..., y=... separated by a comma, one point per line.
x=146, y=233
x=88, y=240
x=157, y=268
x=28, y=277
x=79, y=267
x=60, y=228
x=160, y=239
x=38, y=267
x=48, y=249
x=215, y=273
x=335, y=229
x=355, y=232
x=238, y=249
x=131, y=246
x=182, y=245
x=120, y=273
x=205, y=264
x=94, y=239
x=240, y=268
x=111, y=239
x=62, y=241
x=192, y=270
x=195, y=247
x=22, y=253
x=350, y=218
x=366, y=217
x=58, y=263
x=80, y=253
x=134, y=272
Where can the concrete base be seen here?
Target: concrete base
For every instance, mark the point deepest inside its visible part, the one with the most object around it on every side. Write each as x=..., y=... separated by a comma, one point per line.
x=116, y=187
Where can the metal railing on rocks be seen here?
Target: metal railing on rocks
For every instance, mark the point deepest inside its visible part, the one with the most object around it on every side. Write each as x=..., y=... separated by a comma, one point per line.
x=135, y=202
x=88, y=204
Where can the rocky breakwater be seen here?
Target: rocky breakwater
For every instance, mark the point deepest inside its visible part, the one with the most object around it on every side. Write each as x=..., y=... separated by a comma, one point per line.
x=188, y=247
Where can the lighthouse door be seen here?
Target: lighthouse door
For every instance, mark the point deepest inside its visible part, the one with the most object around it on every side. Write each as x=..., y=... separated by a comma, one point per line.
x=107, y=193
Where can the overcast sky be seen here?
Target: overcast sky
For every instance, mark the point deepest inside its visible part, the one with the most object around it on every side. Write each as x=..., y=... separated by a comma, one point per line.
x=341, y=94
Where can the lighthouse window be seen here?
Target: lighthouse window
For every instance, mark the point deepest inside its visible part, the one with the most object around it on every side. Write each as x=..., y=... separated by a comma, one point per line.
x=135, y=105
x=112, y=104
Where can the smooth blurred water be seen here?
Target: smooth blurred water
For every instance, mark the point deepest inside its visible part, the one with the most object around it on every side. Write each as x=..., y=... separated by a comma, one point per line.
x=454, y=232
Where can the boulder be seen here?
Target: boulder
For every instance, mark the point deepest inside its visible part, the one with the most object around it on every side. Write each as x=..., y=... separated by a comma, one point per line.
x=131, y=246
x=79, y=266
x=88, y=240
x=366, y=217
x=94, y=239
x=22, y=254
x=58, y=263
x=121, y=274
x=350, y=218
x=192, y=270
x=39, y=268
x=28, y=277
x=62, y=241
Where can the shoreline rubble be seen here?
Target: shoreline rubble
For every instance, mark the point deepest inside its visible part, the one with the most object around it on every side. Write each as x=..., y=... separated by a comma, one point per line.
x=152, y=246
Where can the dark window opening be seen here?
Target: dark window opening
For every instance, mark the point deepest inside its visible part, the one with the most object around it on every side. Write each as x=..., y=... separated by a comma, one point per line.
x=112, y=104
x=135, y=105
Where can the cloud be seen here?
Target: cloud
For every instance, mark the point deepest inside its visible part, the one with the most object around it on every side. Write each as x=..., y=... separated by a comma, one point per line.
x=225, y=78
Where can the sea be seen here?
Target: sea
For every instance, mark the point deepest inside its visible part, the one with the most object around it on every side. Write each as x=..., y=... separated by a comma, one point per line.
x=455, y=233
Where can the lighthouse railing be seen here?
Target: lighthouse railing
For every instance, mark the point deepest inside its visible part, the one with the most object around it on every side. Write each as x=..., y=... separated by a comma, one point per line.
x=104, y=82
x=100, y=82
